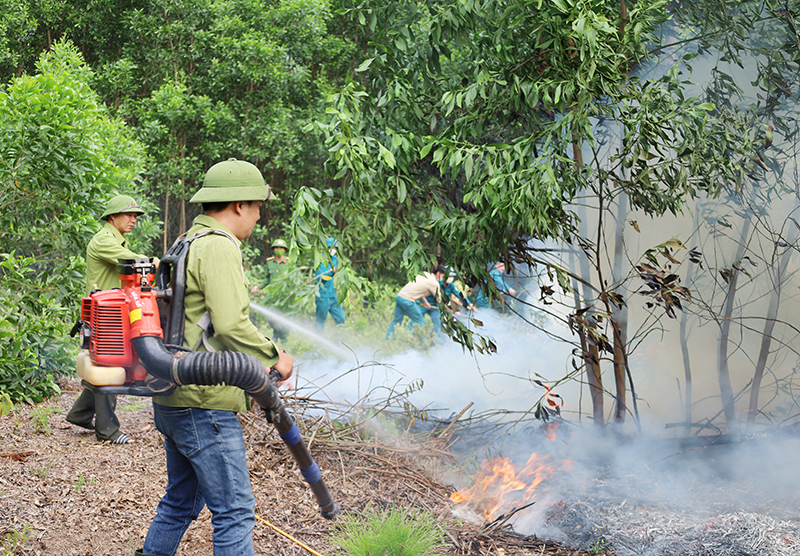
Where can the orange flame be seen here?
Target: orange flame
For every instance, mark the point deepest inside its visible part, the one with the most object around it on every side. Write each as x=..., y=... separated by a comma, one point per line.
x=499, y=487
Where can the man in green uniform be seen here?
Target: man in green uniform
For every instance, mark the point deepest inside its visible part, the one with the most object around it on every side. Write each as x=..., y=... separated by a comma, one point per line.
x=102, y=255
x=277, y=263
x=278, y=260
x=206, y=463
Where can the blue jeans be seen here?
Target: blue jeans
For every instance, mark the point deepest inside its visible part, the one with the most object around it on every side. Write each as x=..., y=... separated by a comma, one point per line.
x=325, y=305
x=405, y=308
x=206, y=465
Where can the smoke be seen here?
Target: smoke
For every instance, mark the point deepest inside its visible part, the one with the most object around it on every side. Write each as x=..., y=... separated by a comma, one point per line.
x=641, y=494
x=446, y=378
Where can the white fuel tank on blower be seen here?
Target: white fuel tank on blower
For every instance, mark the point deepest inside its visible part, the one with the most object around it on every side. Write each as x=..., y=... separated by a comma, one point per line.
x=97, y=375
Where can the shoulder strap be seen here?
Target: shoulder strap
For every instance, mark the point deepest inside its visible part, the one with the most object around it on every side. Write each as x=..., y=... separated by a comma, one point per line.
x=171, y=279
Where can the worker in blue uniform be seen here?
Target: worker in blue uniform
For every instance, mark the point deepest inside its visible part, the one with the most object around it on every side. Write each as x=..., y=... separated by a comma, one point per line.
x=484, y=298
x=327, y=300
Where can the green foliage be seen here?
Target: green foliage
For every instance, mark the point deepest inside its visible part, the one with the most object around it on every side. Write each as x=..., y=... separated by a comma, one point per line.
x=82, y=482
x=291, y=291
x=6, y=405
x=597, y=548
x=40, y=418
x=62, y=156
x=43, y=472
x=134, y=404
x=36, y=312
x=459, y=135
x=60, y=152
x=14, y=541
x=391, y=532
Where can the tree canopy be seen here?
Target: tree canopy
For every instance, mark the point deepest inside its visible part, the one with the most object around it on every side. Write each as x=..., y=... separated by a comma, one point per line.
x=461, y=131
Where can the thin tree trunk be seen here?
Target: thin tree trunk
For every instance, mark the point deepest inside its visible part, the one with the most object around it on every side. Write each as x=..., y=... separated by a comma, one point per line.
x=620, y=314
x=723, y=372
x=183, y=206
x=619, y=375
x=591, y=357
x=763, y=354
x=769, y=326
x=589, y=351
x=591, y=362
x=687, y=365
x=165, y=244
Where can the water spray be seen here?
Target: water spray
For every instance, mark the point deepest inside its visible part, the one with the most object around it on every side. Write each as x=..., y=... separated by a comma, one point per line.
x=276, y=317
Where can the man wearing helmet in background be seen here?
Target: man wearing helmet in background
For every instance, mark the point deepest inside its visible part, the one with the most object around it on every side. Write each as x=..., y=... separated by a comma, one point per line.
x=206, y=462
x=277, y=263
x=102, y=255
x=327, y=300
x=274, y=263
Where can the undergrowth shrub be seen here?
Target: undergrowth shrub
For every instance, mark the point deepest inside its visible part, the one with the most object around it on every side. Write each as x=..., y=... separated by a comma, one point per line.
x=37, y=310
x=390, y=532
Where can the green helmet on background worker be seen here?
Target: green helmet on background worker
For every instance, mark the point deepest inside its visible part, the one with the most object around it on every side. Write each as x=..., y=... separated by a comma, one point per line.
x=232, y=180
x=280, y=243
x=121, y=203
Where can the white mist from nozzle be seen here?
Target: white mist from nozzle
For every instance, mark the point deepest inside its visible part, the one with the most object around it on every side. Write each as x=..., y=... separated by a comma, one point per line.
x=446, y=378
x=318, y=340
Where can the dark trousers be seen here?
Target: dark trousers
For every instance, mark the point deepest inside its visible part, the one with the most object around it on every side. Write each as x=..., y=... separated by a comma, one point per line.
x=99, y=406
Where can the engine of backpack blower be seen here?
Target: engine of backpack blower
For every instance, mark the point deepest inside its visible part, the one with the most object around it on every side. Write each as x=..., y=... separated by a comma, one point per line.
x=110, y=320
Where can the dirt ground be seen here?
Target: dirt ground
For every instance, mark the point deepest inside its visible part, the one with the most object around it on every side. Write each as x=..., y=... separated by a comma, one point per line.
x=63, y=493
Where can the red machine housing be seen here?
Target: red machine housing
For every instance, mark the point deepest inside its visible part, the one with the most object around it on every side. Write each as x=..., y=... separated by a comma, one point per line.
x=115, y=317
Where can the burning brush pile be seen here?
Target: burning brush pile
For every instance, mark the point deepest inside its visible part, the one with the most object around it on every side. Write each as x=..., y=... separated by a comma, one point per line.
x=641, y=498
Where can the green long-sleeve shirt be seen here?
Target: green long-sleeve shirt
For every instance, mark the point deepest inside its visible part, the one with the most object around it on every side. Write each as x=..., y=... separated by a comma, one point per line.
x=215, y=283
x=102, y=255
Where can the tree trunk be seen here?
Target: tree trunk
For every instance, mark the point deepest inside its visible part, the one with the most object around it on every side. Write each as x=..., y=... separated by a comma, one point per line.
x=591, y=358
x=769, y=326
x=590, y=353
x=619, y=315
x=687, y=366
x=165, y=235
x=591, y=363
x=619, y=374
x=183, y=206
x=723, y=373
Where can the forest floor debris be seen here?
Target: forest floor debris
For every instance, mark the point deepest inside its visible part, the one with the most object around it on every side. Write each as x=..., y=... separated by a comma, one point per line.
x=638, y=531
x=65, y=494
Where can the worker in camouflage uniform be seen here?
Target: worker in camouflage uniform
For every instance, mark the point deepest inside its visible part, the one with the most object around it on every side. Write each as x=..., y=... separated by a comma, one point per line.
x=102, y=255
x=203, y=439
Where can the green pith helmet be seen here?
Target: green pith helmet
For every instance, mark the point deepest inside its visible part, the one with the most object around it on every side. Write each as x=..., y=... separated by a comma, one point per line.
x=280, y=243
x=121, y=203
x=232, y=180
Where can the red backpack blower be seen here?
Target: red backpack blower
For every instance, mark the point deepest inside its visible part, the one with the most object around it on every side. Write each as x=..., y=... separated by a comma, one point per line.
x=110, y=320
x=124, y=352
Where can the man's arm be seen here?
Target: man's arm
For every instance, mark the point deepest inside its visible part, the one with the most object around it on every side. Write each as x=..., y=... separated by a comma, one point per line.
x=107, y=249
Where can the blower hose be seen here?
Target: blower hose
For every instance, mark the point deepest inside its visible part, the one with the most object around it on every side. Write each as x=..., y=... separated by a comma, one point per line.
x=246, y=372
